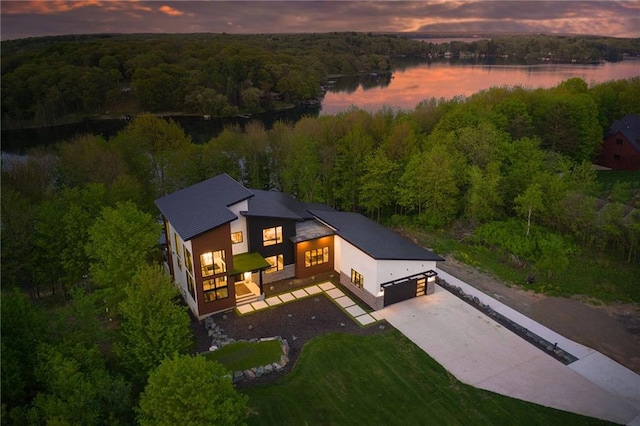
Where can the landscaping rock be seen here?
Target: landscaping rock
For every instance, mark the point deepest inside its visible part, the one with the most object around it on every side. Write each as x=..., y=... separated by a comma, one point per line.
x=268, y=369
x=249, y=374
x=259, y=371
x=238, y=376
x=284, y=360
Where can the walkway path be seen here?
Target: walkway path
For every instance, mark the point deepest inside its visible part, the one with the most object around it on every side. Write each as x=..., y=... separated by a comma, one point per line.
x=330, y=290
x=482, y=353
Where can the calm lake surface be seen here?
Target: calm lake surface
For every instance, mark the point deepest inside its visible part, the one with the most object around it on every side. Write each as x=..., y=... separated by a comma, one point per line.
x=410, y=84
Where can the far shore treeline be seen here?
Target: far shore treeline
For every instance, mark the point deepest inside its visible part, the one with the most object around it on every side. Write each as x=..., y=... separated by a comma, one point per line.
x=53, y=80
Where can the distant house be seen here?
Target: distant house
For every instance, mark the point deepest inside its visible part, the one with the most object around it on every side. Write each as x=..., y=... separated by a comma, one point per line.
x=225, y=242
x=621, y=145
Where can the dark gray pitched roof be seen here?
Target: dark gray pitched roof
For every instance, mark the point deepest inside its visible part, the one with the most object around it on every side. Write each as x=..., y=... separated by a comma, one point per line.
x=203, y=206
x=629, y=126
x=375, y=240
x=280, y=205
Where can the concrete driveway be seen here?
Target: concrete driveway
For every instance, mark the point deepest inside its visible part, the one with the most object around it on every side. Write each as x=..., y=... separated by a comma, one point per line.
x=482, y=353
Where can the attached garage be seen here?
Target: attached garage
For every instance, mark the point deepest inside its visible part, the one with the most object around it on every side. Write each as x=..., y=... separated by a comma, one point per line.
x=409, y=287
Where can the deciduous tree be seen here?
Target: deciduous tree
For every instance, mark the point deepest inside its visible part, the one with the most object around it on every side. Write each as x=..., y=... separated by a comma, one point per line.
x=191, y=390
x=120, y=240
x=154, y=326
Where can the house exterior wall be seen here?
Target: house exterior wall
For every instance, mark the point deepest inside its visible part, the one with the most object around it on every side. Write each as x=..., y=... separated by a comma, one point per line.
x=350, y=258
x=374, y=272
x=304, y=271
x=240, y=225
x=289, y=271
x=213, y=240
x=390, y=270
x=617, y=153
x=255, y=226
x=177, y=266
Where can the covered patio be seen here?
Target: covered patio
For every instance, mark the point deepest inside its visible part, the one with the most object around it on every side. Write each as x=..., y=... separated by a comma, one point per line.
x=247, y=270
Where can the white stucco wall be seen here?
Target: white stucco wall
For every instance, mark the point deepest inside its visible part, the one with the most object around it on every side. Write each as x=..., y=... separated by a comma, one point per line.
x=240, y=225
x=389, y=270
x=375, y=272
x=180, y=274
x=349, y=257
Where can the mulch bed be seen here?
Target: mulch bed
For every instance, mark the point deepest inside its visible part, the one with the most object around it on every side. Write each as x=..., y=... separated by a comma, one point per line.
x=297, y=322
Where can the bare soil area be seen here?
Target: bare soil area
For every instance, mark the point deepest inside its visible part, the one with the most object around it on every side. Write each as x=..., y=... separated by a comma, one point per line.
x=613, y=329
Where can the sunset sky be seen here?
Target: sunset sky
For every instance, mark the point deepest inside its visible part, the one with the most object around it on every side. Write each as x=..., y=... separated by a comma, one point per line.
x=24, y=18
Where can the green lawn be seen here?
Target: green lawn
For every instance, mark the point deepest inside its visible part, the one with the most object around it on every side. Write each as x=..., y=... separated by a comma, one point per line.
x=244, y=355
x=385, y=379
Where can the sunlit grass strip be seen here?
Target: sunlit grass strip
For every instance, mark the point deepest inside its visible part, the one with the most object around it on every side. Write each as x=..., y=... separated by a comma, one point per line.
x=385, y=379
x=241, y=356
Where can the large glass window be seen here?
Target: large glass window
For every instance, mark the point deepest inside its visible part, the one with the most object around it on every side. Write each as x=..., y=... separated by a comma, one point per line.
x=316, y=257
x=190, y=285
x=272, y=236
x=236, y=237
x=215, y=289
x=357, y=279
x=276, y=262
x=188, y=260
x=213, y=263
x=178, y=250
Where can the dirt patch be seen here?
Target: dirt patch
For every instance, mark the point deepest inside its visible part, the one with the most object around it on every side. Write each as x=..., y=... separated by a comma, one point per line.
x=613, y=329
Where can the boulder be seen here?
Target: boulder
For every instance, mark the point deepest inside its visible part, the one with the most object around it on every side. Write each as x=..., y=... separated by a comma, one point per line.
x=238, y=376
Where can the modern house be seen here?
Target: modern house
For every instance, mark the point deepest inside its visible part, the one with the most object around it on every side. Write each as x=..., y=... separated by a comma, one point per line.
x=225, y=242
x=621, y=145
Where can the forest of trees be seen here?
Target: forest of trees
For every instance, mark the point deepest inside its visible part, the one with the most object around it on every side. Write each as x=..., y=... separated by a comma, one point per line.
x=91, y=324
x=50, y=80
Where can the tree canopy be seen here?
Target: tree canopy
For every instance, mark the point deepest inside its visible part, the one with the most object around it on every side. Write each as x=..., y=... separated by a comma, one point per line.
x=191, y=390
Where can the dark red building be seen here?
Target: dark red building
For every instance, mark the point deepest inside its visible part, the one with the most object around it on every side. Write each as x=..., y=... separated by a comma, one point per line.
x=621, y=145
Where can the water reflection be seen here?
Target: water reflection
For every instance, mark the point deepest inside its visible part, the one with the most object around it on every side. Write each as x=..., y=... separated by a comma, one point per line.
x=412, y=82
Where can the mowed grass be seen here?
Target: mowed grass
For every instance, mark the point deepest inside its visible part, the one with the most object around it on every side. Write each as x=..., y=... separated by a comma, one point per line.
x=385, y=379
x=245, y=355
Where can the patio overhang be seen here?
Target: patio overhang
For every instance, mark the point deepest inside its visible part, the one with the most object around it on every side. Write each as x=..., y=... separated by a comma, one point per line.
x=248, y=262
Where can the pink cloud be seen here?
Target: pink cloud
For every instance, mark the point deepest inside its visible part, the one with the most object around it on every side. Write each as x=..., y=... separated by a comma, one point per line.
x=168, y=10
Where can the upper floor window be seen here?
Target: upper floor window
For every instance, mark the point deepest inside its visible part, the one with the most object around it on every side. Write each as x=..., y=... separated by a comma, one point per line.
x=618, y=141
x=236, y=237
x=276, y=262
x=316, y=257
x=213, y=262
x=272, y=236
x=188, y=261
x=357, y=279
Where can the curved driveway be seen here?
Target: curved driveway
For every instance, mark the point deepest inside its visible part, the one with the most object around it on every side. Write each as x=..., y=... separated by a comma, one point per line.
x=482, y=353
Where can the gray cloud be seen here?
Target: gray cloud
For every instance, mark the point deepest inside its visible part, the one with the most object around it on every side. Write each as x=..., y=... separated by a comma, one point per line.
x=36, y=18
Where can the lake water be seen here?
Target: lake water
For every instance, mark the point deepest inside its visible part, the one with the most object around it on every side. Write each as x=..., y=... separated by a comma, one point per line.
x=411, y=83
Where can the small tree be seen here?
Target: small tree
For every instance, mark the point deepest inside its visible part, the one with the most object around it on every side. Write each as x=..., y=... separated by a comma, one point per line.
x=154, y=326
x=190, y=390
x=529, y=202
x=119, y=241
